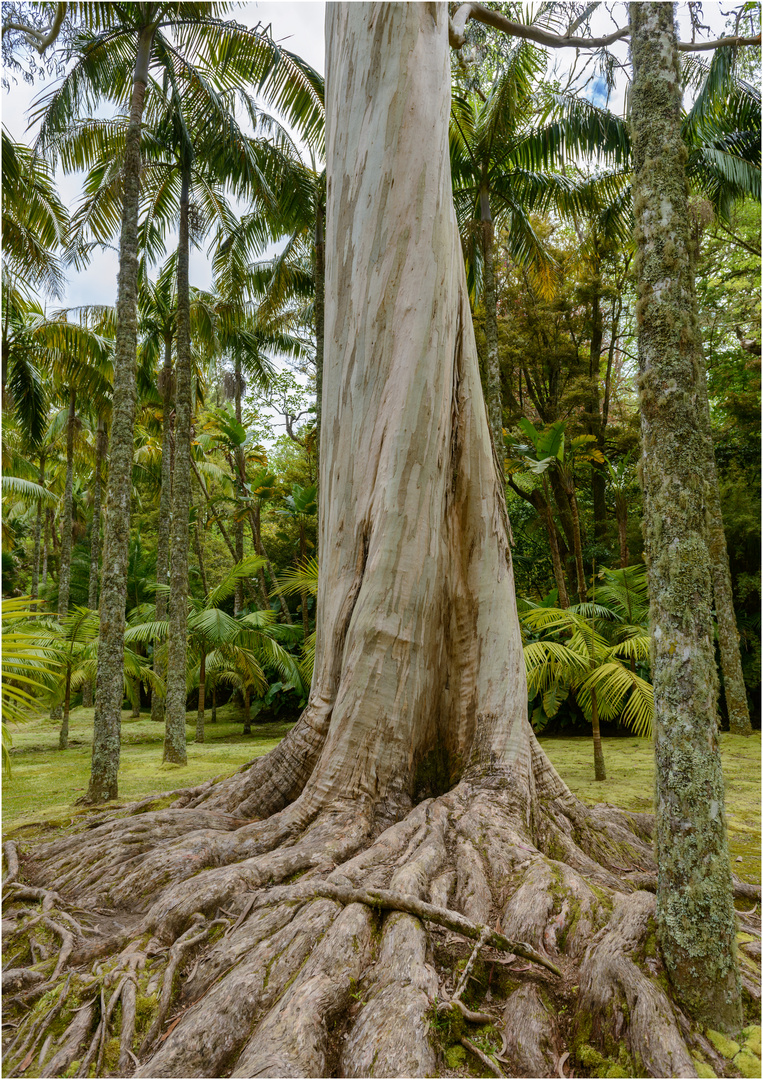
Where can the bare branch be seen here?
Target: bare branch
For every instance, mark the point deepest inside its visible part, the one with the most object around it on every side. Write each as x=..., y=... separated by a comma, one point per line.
x=457, y=25
x=40, y=39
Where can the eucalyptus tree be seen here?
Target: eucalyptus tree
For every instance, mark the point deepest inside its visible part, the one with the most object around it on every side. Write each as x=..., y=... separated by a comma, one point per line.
x=418, y=686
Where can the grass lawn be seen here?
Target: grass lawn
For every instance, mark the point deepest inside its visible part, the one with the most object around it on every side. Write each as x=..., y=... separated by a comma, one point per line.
x=46, y=781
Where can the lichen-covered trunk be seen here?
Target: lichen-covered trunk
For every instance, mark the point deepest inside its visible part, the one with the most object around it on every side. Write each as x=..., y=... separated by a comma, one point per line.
x=177, y=637
x=63, y=735
x=36, y=549
x=238, y=522
x=621, y=509
x=95, y=538
x=109, y=682
x=723, y=594
x=65, y=558
x=165, y=516
x=695, y=912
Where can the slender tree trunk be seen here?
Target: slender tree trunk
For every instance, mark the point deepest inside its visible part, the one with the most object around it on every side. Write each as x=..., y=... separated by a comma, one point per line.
x=577, y=544
x=200, y=555
x=492, y=367
x=95, y=539
x=63, y=735
x=245, y=716
x=38, y=534
x=202, y=690
x=556, y=560
x=303, y=597
x=177, y=640
x=134, y=685
x=695, y=910
x=596, y=427
x=213, y=717
x=165, y=516
x=109, y=688
x=621, y=509
x=65, y=561
x=45, y=547
x=600, y=772
x=258, y=547
x=238, y=524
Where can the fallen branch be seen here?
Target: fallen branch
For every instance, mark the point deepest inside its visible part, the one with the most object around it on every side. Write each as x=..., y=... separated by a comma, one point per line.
x=487, y=1061
x=394, y=901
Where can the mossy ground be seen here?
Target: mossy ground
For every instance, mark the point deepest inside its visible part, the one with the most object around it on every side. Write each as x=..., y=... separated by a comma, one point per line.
x=45, y=781
x=630, y=783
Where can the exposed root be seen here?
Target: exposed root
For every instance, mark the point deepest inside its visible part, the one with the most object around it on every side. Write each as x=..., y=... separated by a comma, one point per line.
x=11, y=853
x=343, y=971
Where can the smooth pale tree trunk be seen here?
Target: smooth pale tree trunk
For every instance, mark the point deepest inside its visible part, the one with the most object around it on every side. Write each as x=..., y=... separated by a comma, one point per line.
x=65, y=560
x=109, y=682
x=36, y=550
x=101, y=442
x=177, y=639
x=695, y=911
x=165, y=516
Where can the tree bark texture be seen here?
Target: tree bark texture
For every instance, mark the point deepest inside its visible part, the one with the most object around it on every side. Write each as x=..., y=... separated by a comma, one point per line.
x=320, y=300
x=165, y=517
x=109, y=681
x=238, y=522
x=101, y=442
x=723, y=594
x=45, y=548
x=65, y=557
x=177, y=638
x=202, y=689
x=413, y=773
x=695, y=912
x=36, y=550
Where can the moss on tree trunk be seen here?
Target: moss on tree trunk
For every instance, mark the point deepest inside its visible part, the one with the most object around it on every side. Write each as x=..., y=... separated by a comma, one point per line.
x=695, y=912
x=109, y=685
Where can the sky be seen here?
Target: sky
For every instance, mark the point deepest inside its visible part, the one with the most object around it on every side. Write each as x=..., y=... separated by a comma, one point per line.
x=297, y=26
x=300, y=28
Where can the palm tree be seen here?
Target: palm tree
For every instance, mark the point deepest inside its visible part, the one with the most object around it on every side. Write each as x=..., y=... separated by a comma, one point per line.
x=28, y=669
x=499, y=165
x=114, y=60
x=589, y=664
x=301, y=507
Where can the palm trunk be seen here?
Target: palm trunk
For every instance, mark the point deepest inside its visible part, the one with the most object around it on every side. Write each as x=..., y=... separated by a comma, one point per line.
x=213, y=718
x=695, y=909
x=556, y=560
x=177, y=640
x=621, y=508
x=163, y=526
x=45, y=547
x=38, y=534
x=302, y=558
x=596, y=426
x=245, y=712
x=578, y=545
x=202, y=689
x=108, y=710
x=134, y=685
x=254, y=522
x=63, y=735
x=600, y=773
x=200, y=555
x=492, y=368
x=65, y=561
x=95, y=539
